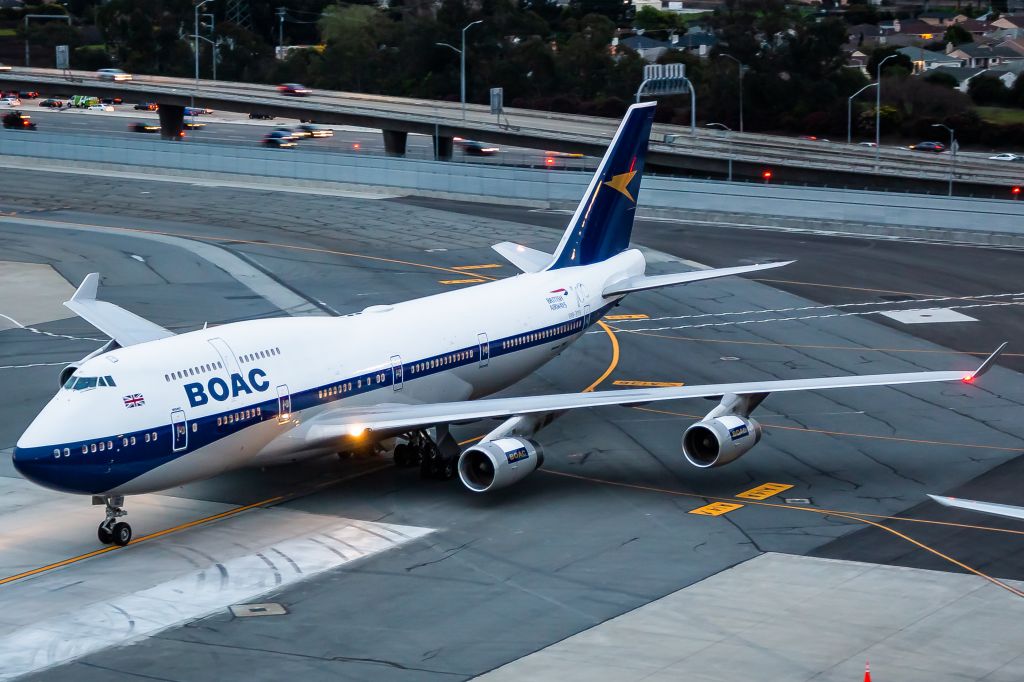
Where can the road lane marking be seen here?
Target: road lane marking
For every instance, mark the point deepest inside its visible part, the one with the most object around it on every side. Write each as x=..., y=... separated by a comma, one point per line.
x=636, y=316
x=646, y=384
x=852, y=516
x=763, y=492
x=460, y=281
x=715, y=509
x=485, y=266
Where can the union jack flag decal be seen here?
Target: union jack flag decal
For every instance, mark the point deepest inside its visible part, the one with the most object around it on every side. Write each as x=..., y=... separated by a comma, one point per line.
x=134, y=400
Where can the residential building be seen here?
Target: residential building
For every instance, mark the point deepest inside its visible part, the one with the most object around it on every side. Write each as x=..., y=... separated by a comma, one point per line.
x=925, y=60
x=649, y=49
x=976, y=55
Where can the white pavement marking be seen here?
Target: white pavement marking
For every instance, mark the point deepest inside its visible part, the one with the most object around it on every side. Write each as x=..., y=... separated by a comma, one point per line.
x=38, y=364
x=136, y=592
x=782, y=617
x=928, y=316
x=247, y=275
x=34, y=330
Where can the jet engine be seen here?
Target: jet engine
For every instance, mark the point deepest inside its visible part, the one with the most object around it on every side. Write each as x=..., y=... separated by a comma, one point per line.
x=716, y=441
x=67, y=371
x=498, y=463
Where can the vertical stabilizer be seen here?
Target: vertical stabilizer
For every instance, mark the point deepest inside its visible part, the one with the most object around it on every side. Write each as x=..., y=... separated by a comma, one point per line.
x=603, y=221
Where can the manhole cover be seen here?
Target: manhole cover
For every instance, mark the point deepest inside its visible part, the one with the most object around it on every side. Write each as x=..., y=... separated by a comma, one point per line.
x=253, y=610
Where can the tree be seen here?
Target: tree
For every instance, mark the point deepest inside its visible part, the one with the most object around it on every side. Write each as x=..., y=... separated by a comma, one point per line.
x=958, y=35
x=899, y=62
x=987, y=90
x=946, y=80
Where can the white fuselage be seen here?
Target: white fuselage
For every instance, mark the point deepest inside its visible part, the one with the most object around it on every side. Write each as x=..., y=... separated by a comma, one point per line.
x=193, y=405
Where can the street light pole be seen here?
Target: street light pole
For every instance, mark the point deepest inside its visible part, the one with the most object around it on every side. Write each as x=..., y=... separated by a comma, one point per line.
x=213, y=43
x=728, y=139
x=849, y=110
x=462, y=60
x=878, y=108
x=952, y=148
x=739, y=66
x=198, y=7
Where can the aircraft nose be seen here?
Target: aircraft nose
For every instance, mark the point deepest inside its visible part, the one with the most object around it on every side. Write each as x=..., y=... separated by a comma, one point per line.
x=29, y=463
x=42, y=467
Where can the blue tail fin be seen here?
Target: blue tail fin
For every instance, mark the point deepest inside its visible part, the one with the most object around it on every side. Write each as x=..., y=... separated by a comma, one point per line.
x=603, y=221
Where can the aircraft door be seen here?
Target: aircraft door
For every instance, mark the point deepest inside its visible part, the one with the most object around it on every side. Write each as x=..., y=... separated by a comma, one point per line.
x=284, y=404
x=179, y=430
x=484, y=348
x=396, y=372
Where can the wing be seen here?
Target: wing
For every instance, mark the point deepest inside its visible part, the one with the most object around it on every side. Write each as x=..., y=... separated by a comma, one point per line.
x=1007, y=510
x=392, y=417
x=643, y=283
x=123, y=326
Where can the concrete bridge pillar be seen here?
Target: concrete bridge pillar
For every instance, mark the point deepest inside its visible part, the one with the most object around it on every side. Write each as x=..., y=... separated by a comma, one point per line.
x=394, y=142
x=172, y=121
x=442, y=148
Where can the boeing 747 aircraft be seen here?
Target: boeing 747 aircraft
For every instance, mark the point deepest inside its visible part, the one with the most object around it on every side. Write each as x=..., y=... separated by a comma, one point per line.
x=151, y=409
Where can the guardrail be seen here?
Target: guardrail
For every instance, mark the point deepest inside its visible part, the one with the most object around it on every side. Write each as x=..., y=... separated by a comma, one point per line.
x=668, y=197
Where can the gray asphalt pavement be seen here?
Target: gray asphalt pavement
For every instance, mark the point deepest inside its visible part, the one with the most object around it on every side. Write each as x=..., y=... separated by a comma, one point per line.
x=605, y=527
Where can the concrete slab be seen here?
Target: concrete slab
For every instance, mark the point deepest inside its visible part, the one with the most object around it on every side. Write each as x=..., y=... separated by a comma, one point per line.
x=31, y=293
x=829, y=617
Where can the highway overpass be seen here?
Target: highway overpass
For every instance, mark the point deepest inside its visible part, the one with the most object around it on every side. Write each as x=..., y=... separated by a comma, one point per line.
x=673, y=148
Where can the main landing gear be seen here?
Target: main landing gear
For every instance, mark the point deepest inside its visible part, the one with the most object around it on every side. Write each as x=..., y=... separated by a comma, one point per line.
x=112, y=531
x=436, y=458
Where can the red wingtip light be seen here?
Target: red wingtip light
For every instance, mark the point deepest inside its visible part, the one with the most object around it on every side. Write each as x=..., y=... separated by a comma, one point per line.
x=355, y=145
x=1015, y=191
x=967, y=379
x=766, y=175
x=549, y=161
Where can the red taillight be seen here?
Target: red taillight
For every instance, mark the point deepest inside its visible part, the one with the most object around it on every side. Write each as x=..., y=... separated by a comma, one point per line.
x=766, y=175
x=967, y=378
x=549, y=161
x=1015, y=191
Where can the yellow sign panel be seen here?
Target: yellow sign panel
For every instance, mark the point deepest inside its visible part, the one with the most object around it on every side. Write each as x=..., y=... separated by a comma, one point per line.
x=461, y=281
x=646, y=384
x=485, y=266
x=638, y=316
x=763, y=492
x=716, y=508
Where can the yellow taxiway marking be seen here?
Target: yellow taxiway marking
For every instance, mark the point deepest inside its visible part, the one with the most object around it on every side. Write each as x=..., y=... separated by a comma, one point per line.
x=637, y=316
x=614, y=361
x=472, y=280
x=646, y=384
x=763, y=492
x=485, y=266
x=716, y=509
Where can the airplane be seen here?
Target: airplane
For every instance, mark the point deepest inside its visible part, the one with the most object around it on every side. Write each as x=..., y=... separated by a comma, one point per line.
x=993, y=508
x=151, y=409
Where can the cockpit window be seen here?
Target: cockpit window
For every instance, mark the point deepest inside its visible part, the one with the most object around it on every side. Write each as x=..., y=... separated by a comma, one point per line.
x=83, y=383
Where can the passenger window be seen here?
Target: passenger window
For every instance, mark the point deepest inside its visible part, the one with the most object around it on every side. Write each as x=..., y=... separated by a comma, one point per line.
x=56, y=452
x=218, y=421
x=67, y=452
x=101, y=446
x=259, y=411
x=133, y=440
x=167, y=377
x=124, y=442
x=154, y=436
x=195, y=427
x=147, y=437
x=85, y=449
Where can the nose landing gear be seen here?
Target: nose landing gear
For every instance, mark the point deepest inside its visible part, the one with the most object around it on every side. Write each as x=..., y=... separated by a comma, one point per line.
x=112, y=531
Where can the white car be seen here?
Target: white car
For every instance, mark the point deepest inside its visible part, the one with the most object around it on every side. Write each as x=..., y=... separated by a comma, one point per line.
x=11, y=101
x=1005, y=156
x=113, y=75
x=4, y=67
x=100, y=107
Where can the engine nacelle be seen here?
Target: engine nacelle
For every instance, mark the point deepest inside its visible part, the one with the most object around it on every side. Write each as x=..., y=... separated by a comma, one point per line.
x=716, y=441
x=498, y=463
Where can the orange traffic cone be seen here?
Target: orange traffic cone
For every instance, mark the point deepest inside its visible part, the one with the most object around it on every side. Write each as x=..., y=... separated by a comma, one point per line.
x=867, y=671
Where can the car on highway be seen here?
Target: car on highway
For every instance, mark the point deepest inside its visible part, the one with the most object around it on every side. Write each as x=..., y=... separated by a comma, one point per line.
x=311, y=130
x=197, y=111
x=477, y=148
x=934, y=147
x=52, y=103
x=293, y=89
x=1006, y=156
x=194, y=125
x=261, y=116
x=144, y=127
x=867, y=144
x=113, y=75
x=100, y=107
x=147, y=106
x=564, y=155
x=4, y=67
x=111, y=100
x=10, y=101
x=19, y=121
x=281, y=139
x=28, y=94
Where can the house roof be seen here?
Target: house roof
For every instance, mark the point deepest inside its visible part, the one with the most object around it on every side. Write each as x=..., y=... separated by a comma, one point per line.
x=869, y=30
x=1016, y=19
x=960, y=73
x=697, y=39
x=921, y=55
x=1010, y=67
x=915, y=27
x=977, y=51
x=644, y=43
x=974, y=26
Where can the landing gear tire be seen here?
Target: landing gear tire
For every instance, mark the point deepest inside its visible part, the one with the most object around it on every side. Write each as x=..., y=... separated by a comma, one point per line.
x=122, y=534
x=105, y=534
x=405, y=456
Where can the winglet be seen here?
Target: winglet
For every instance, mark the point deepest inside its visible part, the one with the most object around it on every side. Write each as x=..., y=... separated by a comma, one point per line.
x=989, y=361
x=87, y=290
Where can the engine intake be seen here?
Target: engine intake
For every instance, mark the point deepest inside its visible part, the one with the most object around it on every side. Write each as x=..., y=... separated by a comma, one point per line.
x=716, y=441
x=499, y=463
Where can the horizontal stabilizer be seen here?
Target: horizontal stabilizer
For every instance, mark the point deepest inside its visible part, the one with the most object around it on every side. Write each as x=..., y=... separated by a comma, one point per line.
x=523, y=257
x=994, y=508
x=125, y=327
x=643, y=283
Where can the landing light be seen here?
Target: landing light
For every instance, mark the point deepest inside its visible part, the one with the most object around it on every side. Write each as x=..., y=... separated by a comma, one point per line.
x=967, y=379
x=355, y=145
x=549, y=161
x=356, y=430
